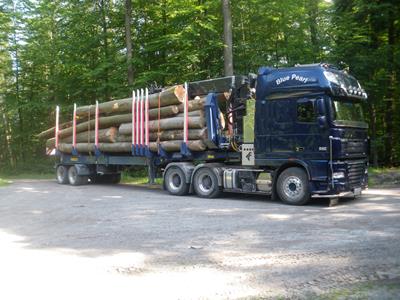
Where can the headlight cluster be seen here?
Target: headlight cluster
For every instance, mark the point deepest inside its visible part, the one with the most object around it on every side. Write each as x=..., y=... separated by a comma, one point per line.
x=338, y=175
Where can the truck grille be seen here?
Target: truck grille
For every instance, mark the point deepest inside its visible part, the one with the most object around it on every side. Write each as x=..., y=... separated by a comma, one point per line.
x=356, y=171
x=354, y=147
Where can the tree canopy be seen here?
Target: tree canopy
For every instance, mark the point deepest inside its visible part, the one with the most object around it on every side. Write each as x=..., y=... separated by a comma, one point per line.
x=56, y=52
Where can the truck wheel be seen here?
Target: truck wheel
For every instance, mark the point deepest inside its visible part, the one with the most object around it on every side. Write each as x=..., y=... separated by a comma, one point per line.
x=175, y=182
x=62, y=174
x=292, y=186
x=76, y=179
x=205, y=183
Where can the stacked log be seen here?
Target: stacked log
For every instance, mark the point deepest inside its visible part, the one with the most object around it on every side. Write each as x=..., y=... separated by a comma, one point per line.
x=166, y=122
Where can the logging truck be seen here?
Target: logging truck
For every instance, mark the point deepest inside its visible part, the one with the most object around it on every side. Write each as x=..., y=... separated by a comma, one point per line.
x=291, y=133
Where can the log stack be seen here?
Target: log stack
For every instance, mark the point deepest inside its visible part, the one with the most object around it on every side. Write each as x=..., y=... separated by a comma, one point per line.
x=165, y=111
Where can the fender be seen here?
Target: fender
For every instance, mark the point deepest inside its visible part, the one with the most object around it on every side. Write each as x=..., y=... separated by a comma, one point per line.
x=83, y=170
x=216, y=167
x=293, y=163
x=186, y=167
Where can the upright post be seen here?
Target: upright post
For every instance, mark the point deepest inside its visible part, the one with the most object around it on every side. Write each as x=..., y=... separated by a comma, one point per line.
x=141, y=121
x=137, y=122
x=147, y=138
x=133, y=121
x=184, y=146
x=74, y=152
x=96, y=130
x=57, y=130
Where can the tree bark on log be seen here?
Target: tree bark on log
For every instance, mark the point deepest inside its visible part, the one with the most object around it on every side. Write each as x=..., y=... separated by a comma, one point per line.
x=168, y=135
x=175, y=146
x=196, y=104
x=104, y=147
x=195, y=113
x=166, y=111
x=108, y=135
x=104, y=122
x=170, y=96
x=166, y=124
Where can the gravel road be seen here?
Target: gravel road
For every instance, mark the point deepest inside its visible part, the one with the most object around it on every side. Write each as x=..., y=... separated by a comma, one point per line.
x=127, y=242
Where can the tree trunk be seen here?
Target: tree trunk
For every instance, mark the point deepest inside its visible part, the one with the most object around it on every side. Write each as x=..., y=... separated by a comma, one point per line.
x=166, y=124
x=108, y=135
x=104, y=122
x=168, y=135
x=390, y=91
x=228, y=47
x=312, y=12
x=170, y=96
x=174, y=146
x=128, y=40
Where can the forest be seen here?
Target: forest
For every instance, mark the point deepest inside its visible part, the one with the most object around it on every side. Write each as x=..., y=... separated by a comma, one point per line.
x=57, y=52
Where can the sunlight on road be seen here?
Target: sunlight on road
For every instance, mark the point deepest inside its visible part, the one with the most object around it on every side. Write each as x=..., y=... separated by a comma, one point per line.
x=64, y=274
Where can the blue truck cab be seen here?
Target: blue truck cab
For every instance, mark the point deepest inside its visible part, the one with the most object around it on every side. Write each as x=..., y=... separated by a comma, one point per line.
x=310, y=117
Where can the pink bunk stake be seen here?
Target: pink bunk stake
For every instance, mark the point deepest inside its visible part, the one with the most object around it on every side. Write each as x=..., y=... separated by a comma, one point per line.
x=147, y=118
x=74, y=128
x=57, y=130
x=141, y=118
x=133, y=116
x=96, y=126
x=137, y=117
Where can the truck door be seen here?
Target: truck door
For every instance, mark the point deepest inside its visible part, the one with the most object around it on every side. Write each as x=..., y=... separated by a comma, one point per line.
x=309, y=139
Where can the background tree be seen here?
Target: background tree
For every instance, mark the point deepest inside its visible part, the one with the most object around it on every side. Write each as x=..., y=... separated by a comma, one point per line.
x=64, y=52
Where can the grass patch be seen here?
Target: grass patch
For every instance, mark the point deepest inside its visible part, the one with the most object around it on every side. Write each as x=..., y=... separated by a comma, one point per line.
x=383, y=177
x=28, y=176
x=4, y=182
x=129, y=179
x=369, y=290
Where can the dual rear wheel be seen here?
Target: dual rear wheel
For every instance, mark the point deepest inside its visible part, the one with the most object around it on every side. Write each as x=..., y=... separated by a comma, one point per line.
x=70, y=175
x=205, y=182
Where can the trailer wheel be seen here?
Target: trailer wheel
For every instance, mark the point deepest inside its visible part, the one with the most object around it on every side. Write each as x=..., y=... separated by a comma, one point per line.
x=76, y=179
x=205, y=183
x=175, y=182
x=292, y=186
x=62, y=174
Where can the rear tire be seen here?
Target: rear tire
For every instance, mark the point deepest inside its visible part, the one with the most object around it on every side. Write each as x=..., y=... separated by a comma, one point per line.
x=205, y=183
x=175, y=182
x=75, y=179
x=293, y=186
x=62, y=174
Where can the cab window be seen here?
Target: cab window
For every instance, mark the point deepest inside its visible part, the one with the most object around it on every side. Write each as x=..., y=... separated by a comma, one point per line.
x=306, y=111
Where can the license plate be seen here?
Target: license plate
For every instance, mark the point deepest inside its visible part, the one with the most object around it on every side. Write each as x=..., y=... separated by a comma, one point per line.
x=357, y=191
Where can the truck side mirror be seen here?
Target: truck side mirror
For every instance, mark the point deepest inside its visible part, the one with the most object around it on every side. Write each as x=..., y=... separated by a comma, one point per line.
x=322, y=121
x=321, y=107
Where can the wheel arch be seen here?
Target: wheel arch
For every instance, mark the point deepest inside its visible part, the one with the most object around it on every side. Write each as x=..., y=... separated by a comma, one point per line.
x=290, y=164
x=215, y=167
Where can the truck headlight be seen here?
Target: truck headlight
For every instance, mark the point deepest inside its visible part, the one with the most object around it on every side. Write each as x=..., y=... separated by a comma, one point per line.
x=338, y=175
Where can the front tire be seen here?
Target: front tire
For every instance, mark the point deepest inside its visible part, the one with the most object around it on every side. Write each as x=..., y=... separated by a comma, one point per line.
x=293, y=186
x=205, y=183
x=62, y=174
x=175, y=182
x=75, y=179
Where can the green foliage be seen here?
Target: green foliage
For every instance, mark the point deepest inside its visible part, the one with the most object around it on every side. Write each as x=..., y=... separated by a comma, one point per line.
x=65, y=52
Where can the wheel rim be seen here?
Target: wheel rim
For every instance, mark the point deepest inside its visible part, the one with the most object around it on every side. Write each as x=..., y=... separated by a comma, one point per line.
x=175, y=181
x=60, y=174
x=293, y=187
x=206, y=183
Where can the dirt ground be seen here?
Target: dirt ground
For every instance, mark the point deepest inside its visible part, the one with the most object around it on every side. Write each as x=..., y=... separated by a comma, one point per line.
x=127, y=242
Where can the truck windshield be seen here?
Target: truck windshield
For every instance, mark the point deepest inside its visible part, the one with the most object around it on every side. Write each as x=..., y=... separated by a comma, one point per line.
x=348, y=113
